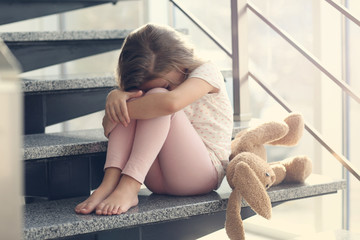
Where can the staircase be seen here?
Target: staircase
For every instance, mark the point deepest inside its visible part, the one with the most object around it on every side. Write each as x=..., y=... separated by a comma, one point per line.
x=62, y=168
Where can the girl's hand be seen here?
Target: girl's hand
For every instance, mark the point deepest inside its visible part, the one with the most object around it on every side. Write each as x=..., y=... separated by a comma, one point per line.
x=108, y=126
x=116, y=106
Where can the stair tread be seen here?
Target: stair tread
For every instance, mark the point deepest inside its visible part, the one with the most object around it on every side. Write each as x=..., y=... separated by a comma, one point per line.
x=74, y=81
x=56, y=83
x=26, y=1
x=39, y=36
x=57, y=218
x=47, y=145
x=80, y=35
x=38, y=146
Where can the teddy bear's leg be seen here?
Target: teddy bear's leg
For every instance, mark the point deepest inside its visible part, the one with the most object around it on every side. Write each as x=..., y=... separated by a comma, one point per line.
x=295, y=122
x=297, y=168
x=280, y=172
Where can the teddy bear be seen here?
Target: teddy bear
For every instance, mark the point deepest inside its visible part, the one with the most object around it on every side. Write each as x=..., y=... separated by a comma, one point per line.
x=250, y=175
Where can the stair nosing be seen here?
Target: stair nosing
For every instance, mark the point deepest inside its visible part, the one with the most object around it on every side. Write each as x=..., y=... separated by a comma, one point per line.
x=39, y=36
x=62, y=220
x=32, y=84
x=74, y=81
x=72, y=143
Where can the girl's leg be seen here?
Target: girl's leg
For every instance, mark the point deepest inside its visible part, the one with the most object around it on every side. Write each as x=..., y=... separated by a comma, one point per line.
x=118, y=151
x=184, y=156
x=183, y=166
x=149, y=137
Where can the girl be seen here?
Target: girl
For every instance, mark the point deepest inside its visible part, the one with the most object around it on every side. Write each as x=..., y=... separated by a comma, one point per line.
x=169, y=125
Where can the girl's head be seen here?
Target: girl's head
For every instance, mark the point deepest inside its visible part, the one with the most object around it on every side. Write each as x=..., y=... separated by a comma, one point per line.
x=151, y=52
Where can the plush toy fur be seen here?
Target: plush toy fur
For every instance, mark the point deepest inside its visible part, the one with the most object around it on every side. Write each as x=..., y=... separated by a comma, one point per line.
x=249, y=174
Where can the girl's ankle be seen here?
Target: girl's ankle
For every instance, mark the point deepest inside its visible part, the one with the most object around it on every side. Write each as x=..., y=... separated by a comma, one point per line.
x=130, y=181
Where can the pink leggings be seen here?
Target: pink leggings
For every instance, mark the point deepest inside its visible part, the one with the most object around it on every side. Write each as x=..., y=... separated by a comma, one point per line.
x=166, y=153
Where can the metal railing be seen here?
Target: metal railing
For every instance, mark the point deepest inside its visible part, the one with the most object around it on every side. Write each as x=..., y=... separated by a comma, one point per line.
x=345, y=87
x=237, y=79
x=202, y=27
x=342, y=159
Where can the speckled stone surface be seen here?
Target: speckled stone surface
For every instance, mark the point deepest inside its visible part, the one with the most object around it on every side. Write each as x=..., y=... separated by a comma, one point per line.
x=55, y=219
x=64, y=144
x=37, y=146
x=55, y=83
x=63, y=36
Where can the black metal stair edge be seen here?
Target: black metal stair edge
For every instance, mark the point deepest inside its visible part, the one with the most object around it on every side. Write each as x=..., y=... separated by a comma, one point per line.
x=47, y=108
x=19, y=10
x=36, y=50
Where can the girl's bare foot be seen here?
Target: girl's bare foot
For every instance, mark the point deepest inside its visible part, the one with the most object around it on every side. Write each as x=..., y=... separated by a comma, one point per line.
x=109, y=183
x=122, y=198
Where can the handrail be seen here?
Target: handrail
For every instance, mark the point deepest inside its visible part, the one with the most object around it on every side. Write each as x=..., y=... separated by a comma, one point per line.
x=344, y=11
x=203, y=28
x=345, y=162
x=345, y=87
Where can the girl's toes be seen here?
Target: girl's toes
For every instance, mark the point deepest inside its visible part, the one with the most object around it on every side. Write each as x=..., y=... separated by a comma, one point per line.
x=105, y=210
x=79, y=207
x=99, y=209
x=87, y=208
x=110, y=210
x=119, y=211
x=115, y=210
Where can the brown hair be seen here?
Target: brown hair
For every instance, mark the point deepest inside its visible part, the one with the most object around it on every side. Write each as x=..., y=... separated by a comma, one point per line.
x=150, y=52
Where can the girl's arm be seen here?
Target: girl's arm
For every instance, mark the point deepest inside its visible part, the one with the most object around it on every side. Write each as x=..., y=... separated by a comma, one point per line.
x=108, y=125
x=160, y=104
x=116, y=106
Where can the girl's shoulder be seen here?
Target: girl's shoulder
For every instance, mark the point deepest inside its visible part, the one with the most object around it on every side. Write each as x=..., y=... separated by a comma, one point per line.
x=209, y=72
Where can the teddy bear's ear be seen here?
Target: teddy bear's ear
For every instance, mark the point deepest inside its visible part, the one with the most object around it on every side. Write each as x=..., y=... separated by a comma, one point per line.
x=234, y=225
x=253, y=139
x=252, y=190
x=295, y=122
x=266, y=132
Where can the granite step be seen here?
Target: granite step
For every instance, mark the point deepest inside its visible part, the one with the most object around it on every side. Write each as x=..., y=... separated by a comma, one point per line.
x=54, y=145
x=54, y=161
x=18, y=10
x=53, y=84
x=50, y=48
x=157, y=216
x=52, y=99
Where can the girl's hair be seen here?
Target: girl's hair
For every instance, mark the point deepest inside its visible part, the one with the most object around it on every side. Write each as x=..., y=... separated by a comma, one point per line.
x=150, y=52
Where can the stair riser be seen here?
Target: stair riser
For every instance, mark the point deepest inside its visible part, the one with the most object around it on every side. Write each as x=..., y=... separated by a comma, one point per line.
x=46, y=108
x=39, y=54
x=63, y=177
x=15, y=11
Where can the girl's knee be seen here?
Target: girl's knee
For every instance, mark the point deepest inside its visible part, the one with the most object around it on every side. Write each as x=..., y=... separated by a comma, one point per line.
x=156, y=90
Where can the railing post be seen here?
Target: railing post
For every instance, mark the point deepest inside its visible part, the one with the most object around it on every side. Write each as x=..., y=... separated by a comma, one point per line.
x=239, y=32
x=10, y=146
x=345, y=115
